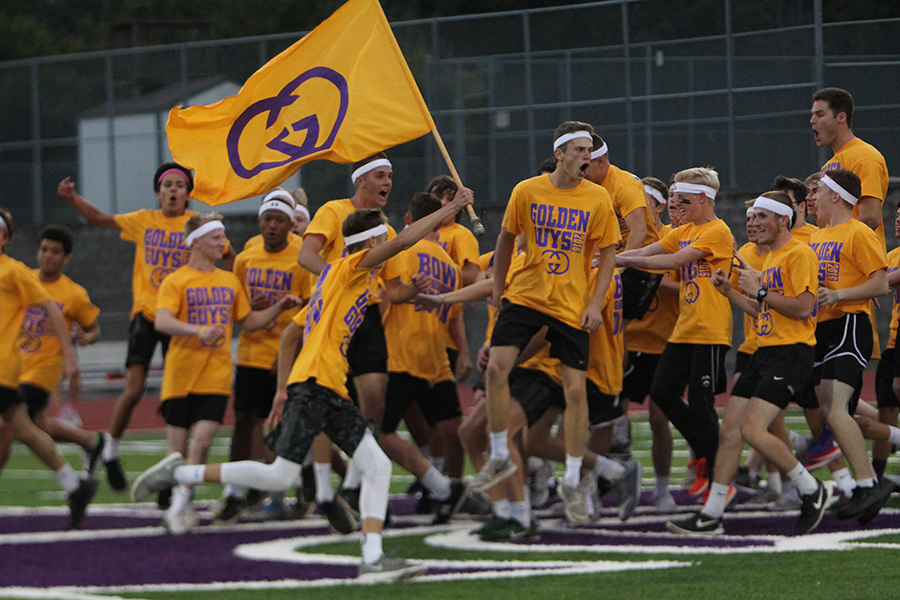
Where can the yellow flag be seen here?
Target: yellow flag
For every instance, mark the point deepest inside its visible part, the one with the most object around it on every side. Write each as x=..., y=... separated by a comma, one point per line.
x=342, y=93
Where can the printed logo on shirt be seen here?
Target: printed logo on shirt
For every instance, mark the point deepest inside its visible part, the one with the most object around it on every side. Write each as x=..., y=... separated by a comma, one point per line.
x=617, y=304
x=773, y=281
x=559, y=228
x=557, y=262
x=442, y=278
x=164, y=250
x=272, y=283
x=210, y=306
x=34, y=327
x=829, y=255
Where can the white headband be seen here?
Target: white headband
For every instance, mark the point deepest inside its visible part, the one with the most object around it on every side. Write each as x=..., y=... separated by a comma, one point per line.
x=277, y=205
x=201, y=231
x=774, y=206
x=655, y=193
x=381, y=162
x=302, y=209
x=286, y=196
x=3, y=224
x=840, y=191
x=693, y=188
x=750, y=209
x=602, y=150
x=568, y=137
x=365, y=235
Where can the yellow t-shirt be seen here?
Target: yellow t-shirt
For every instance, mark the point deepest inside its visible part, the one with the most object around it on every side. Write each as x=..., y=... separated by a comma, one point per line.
x=804, y=232
x=848, y=254
x=755, y=260
x=293, y=239
x=650, y=334
x=562, y=229
x=159, y=250
x=42, y=364
x=605, y=367
x=627, y=194
x=704, y=315
x=201, y=298
x=459, y=243
x=543, y=362
x=868, y=164
x=790, y=271
x=893, y=261
x=518, y=261
x=19, y=289
x=336, y=309
x=417, y=339
x=328, y=222
x=274, y=275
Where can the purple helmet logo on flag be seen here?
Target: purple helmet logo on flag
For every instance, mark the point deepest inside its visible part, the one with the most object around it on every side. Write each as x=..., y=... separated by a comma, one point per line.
x=273, y=106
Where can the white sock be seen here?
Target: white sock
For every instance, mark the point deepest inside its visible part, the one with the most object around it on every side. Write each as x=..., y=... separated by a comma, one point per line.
x=521, y=512
x=232, y=491
x=609, y=469
x=534, y=463
x=371, y=548
x=715, y=504
x=110, y=448
x=806, y=483
x=894, y=437
x=190, y=474
x=436, y=483
x=573, y=470
x=662, y=485
x=324, y=491
x=844, y=481
x=621, y=431
x=181, y=496
x=499, y=449
x=773, y=482
x=67, y=478
x=353, y=477
x=440, y=463
x=503, y=509
x=376, y=470
x=865, y=483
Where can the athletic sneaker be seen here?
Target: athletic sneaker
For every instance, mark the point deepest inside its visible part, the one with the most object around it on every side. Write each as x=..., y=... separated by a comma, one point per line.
x=475, y=504
x=339, y=520
x=449, y=507
x=79, y=500
x=883, y=490
x=814, y=506
x=538, y=483
x=800, y=444
x=665, y=502
x=270, y=510
x=789, y=498
x=229, y=510
x=92, y=457
x=701, y=479
x=573, y=497
x=158, y=477
x=729, y=496
x=389, y=569
x=308, y=483
x=699, y=524
x=181, y=522
x=510, y=529
x=115, y=475
x=494, y=523
x=864, y=500
x=351, y=499
x=301, y=506
x=823, y=450
x=629, y=489
x=164, y=499
x=690, y=475
x=746, y=480
x=762, y=497
x=492, y=473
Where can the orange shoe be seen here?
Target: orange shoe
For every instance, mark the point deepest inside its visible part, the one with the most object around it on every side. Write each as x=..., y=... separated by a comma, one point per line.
x=701, y=483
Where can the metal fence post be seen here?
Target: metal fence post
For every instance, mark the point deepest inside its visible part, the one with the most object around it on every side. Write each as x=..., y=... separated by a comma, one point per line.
x=37, y=165
x=729, y=76
x=529, y=91
x=629, y=117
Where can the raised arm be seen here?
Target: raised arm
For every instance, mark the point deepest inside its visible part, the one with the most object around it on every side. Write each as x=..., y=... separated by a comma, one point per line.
x=310, y=257
x=94, y=215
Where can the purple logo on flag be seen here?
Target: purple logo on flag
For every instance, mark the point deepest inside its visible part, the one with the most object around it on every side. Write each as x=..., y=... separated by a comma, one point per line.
x=273, y=106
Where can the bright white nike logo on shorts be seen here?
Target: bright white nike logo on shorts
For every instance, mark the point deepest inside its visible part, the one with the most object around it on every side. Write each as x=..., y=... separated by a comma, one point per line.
x=777, y=378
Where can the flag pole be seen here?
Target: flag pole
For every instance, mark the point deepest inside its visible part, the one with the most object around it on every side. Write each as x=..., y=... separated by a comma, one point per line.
x=477, y=225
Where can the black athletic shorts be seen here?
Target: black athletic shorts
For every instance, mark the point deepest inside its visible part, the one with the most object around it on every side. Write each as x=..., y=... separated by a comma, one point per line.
x=638, y=291
x=9, y=397
x=843, y=348
x=254, y=389
x=536, y=392
x=638, y=376
x=807, y=397
x=185, y=411
x=776, y=374
x=311, y=409
x=517, y=324
x=602, y=408
x=438, y=403
x=35, y=398
x=741, y=360
x=888, y=369
x=142, y=339
x=367, y=350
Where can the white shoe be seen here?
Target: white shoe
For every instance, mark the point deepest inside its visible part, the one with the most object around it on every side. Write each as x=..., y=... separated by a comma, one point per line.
x=665, y=502
x=492, y=473
x=390, y=568
x=629, y=489
x=159, y=477
x=181, y=522
x=573, y=497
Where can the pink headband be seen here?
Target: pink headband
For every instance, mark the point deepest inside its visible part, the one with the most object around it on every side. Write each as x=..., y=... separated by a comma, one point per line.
x=179, y=171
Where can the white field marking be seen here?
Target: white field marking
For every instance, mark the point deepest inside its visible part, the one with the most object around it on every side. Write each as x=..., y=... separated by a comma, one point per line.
x=841, y=541
x=52, y=594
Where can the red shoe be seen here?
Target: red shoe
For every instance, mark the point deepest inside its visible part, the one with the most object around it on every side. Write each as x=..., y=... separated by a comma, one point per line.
x=701, y=483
